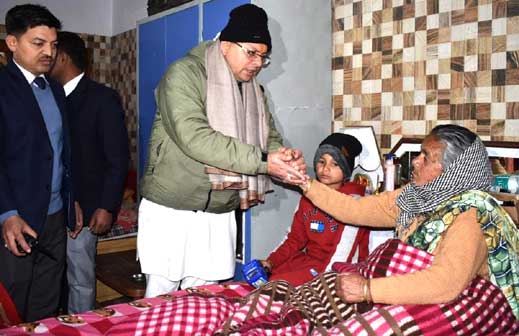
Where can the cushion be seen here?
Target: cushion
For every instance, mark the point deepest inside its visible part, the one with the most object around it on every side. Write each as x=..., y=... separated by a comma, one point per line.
x=8, y=314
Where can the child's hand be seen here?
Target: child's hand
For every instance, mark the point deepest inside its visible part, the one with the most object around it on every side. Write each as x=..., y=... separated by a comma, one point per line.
x=266, y=264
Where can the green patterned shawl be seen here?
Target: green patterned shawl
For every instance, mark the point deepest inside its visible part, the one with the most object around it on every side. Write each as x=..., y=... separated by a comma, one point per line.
x=500, y=232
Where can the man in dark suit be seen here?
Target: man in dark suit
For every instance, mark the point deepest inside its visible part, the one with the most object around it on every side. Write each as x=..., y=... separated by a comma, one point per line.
x=35, y=197
x=99, y=161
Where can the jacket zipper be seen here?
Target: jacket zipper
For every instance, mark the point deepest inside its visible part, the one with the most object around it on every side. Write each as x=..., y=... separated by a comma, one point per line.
x=157, y=151
x=208, y=200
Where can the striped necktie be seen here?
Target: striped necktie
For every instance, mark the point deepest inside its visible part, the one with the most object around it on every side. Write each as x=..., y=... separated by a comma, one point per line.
x=40, y=82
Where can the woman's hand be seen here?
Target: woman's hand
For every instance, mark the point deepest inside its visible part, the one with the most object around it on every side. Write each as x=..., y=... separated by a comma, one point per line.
x=352, y=288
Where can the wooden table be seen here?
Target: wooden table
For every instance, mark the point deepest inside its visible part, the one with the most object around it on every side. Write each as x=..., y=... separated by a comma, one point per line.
x=116, y=271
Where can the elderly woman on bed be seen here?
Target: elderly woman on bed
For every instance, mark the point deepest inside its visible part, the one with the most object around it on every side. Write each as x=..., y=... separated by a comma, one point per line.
x=453, y=270
x=443, y=211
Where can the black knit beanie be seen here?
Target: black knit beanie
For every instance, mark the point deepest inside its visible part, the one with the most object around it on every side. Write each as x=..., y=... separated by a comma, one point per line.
x=344, y=148
x=247, y=23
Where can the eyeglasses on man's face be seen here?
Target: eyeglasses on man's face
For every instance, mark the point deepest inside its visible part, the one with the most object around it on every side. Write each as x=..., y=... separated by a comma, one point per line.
x=251, y=54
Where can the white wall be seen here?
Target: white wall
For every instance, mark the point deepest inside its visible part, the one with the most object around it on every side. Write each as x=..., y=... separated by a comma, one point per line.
x=126, y=13
x=298, y=84
x=80, y=16
x=99, y=17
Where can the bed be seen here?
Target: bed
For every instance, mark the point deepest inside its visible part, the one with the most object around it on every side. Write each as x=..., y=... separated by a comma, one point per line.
x=100, y=321
x=278, y=308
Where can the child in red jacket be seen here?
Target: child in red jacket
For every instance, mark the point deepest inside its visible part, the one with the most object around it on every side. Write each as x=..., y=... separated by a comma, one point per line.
x=316, y=240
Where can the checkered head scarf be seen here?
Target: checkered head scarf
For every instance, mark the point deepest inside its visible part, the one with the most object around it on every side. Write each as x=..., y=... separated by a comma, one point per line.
x=469, y=171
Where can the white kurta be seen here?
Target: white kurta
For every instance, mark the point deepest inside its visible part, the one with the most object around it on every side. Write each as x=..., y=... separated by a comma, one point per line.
x=179, y=243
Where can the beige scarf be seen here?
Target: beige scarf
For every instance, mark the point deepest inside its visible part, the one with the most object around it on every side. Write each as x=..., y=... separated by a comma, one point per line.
x=237, y=117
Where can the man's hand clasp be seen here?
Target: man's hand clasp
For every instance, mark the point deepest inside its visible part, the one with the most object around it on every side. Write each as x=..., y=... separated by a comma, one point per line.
x=288, y=165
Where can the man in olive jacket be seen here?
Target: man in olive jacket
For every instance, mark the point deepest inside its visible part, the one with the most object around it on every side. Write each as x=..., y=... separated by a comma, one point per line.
x=212, y=146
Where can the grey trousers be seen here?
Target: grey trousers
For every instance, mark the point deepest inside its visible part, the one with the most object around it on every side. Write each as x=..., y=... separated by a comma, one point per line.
x=81, y=274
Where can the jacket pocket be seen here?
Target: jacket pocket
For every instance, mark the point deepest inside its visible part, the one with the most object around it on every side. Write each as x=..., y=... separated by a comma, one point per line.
x=156, y=155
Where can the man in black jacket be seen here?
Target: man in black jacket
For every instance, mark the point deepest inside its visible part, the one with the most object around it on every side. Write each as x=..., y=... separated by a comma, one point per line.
x=100, y=163
x=35, y=198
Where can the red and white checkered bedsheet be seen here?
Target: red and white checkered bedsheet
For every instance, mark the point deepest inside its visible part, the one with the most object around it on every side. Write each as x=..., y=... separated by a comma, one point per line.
x=100, y=321
x=277, y=308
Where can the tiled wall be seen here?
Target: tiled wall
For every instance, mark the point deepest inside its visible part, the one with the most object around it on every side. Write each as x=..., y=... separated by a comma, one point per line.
x=124, y=80
x=99, y=50
x=404, y=66
x=113, y=62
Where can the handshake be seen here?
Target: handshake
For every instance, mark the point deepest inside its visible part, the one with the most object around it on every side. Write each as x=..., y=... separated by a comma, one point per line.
x=288, y=165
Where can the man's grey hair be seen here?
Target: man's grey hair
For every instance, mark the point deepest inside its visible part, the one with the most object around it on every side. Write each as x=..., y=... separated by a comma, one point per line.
x=456, y=139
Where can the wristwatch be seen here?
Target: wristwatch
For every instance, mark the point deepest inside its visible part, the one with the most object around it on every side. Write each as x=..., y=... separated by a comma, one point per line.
x=264, y=156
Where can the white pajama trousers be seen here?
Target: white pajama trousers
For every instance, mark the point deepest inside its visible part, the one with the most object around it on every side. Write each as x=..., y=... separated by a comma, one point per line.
x=184, y=247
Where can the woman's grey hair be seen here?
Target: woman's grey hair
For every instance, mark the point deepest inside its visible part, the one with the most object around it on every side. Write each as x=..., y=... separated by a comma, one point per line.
x=455, y=139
